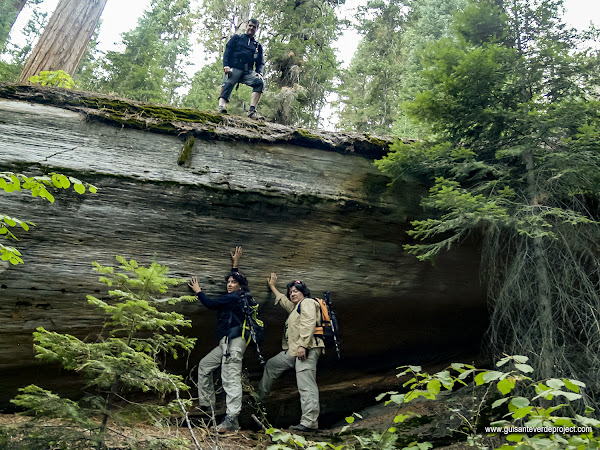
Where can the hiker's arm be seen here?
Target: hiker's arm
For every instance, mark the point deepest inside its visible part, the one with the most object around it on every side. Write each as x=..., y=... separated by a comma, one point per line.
x=216, y=303
x=227, y=54
x=279, y=297
x=260, y=62
x=235, y=257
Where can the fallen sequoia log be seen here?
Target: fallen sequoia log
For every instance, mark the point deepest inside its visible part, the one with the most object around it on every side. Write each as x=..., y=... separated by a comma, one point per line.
x=184, y=187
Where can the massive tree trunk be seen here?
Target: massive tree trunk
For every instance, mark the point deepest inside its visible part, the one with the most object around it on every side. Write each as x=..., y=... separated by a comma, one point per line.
x=308, y=204
x=65, y=39
x=9, y=11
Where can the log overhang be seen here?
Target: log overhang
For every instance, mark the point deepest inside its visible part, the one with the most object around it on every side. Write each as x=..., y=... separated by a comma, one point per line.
x=183, y=187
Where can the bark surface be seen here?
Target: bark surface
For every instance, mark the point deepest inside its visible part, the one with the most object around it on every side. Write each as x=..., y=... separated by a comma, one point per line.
x=306, y=204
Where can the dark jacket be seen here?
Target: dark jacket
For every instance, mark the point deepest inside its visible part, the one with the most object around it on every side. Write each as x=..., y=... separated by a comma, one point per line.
x=244, y=53
x=230, y=314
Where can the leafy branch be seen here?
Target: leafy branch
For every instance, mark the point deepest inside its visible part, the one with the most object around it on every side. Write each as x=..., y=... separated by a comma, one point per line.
x=37, y=186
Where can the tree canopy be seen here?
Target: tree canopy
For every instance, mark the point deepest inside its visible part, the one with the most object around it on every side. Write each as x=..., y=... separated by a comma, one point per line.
x=512, y=158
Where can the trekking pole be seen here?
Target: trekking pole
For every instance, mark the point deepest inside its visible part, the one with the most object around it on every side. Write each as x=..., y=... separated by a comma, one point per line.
x=248, y=315
x=261, y=360
x=327, y=295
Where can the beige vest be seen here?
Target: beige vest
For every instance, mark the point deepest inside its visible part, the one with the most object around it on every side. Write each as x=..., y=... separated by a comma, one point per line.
x=300, y=328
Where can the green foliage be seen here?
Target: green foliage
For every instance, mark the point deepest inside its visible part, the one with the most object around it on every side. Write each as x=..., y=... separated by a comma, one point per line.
x=300, y=63
x=369, y=88
x=14, y=56
x=285, y=440
x=427, y=22
x=205, y=88
x=513, y=160
x=125, y=358
x=151, y=67
x=520, y=401
x=297, y=37
x=11, y=182
x=58, y=78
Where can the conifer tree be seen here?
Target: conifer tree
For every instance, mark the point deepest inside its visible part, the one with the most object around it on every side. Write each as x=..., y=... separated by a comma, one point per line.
x=14, y=56
x=125, y=358
x=511, y=100
x=151, y=67
x=427, y=22
x=369, y=88
x=9, y=11
x=301, y=63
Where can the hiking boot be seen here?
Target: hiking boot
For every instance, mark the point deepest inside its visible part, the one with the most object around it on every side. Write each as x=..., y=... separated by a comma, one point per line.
x=302, y=429
x=222, y=110
x=253, y=114
x=228, y=424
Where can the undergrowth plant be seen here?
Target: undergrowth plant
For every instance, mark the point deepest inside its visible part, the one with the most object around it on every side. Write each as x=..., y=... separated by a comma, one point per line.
x=126, y=358
x=37, y=185
x=58, y=78
x=510, y=407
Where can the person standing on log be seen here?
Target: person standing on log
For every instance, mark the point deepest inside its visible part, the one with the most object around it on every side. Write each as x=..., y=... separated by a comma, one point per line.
x=301, y=350
x=228, y=354
x=243, y=62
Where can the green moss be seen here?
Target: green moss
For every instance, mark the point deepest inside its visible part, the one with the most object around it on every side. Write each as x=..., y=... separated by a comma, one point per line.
x=377, y=141
x=305, y=134
x=186, y=151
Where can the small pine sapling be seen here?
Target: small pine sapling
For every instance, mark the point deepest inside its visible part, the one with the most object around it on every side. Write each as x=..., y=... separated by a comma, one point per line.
x=126, y=357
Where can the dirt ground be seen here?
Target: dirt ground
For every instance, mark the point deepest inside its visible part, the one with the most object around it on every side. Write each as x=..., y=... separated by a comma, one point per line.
x=429, y=421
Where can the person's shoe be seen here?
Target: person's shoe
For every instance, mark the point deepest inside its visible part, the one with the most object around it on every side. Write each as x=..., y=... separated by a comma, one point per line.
x=222, y=110
x=253, y=114
x=228, y=424
x=302, y=429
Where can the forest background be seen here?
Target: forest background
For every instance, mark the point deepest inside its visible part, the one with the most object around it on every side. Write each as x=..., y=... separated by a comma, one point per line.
x=302, y=94
x=504, y=101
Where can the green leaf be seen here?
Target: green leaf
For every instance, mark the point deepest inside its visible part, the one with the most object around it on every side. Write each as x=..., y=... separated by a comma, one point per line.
x=79, y=188
x=520, y=402
x=521, y=359
x=506, y=385
x=524, y=368
x=588, y=421
x=491, y=375
x=499, y=402
x=522, y=412
x=445, y=378
x=479, y=379
x=503, y=361
x=350, y=419
x=569, y=395
x=434, y=386
x=555, y=383
x=570, y=385
x=515, y=437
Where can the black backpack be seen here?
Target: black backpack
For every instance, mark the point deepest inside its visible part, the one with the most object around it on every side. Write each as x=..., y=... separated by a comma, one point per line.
x=329, y=331
x=253, y=328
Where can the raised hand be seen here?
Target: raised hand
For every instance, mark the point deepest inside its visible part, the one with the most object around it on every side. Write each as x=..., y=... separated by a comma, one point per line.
x=193, y=283
x=236, y=255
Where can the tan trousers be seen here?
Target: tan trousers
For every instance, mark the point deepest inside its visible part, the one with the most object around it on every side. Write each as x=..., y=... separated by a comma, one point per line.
x=306, y=379
x=228, y=354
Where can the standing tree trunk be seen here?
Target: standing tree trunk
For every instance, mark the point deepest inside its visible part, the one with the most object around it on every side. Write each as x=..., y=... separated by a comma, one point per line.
x=65, y=39
x=9, y=11
x=546, y=352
